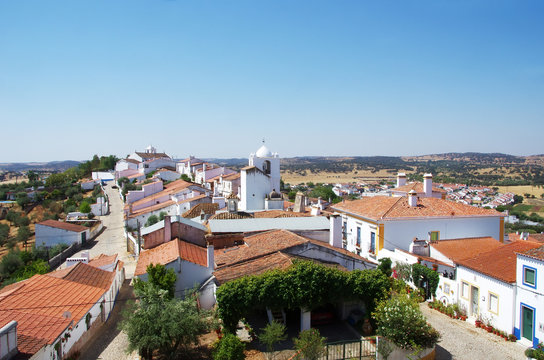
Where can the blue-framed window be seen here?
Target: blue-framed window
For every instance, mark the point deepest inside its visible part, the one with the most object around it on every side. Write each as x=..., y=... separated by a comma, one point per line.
x=529, y=276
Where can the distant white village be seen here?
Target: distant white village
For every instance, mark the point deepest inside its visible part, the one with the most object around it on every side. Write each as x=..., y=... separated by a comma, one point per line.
x=212, y=224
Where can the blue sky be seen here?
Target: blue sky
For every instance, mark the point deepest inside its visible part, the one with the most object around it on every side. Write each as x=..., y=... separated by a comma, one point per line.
x=212, y=78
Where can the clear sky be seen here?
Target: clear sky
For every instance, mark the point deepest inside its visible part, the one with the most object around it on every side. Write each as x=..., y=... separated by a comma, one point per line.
x=212, y=78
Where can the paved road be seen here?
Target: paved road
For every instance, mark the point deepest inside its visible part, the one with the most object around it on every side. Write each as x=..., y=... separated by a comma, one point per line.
x=462, y=340
x=112, y=239
x=111, y=343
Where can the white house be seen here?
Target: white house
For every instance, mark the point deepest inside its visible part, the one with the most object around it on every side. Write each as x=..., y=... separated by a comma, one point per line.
x=529, y=306
x=424, y=189
x=487, y=285
x=150, y=153
x=51, y=232
x=67, y=307
x=383, y=222
x=192, y=264
x=259, y=179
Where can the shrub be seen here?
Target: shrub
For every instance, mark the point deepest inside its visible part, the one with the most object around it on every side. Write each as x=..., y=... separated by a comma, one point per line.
x=272, y=334
x=10, y=263
x=23, y=233
x=4, y=233
x=537, y=353
x=400, y=320
x=162, y=215
x=385, y=266
x=310, y=344
x=229, y=348
x=23, y=221
x=153, y=219
x=422, y=273
x=85, y=207
x=57, y=249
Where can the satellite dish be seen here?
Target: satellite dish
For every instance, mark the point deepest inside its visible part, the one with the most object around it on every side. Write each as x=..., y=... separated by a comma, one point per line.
x=66, y=314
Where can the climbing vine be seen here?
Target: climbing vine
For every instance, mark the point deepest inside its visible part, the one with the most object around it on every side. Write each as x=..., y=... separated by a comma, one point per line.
x=305, y=284
x=422, y=273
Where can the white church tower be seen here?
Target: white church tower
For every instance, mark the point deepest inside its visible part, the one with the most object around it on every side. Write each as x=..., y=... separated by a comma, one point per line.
x=259, y=179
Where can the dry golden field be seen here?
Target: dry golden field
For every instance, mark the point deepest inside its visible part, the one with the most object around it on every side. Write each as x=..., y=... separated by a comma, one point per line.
x=523, y=189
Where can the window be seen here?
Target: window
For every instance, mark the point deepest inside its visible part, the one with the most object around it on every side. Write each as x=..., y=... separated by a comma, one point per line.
x=345, y=230
x=447, y=288
x=434, y=235
x=529, y=276
x=372, y=242
x=464, y=290
x=494, y=303
x=358, y=236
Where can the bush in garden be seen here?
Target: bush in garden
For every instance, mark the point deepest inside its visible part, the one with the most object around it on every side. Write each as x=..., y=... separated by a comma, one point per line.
x=229, y=348
x=310, y=344
x=400, y=320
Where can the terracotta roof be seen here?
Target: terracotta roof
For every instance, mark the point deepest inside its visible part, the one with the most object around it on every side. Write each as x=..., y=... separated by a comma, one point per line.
x=536, y=253
x=231, y=177
x=171, y=251
x=146, y=156
x=426, y=258
x=147, y=209
x=39, y=304
x=258, y=245
x=134, y=176
x=169, y=189
x=208, y=208
x=531, y=237
x=257, y=266
x=499, y=263
x=268, y=242
x=462, y=249
x=231, y=216
x=278, y=214
x=417, y=187
x=132, y=161
x=387, y=208
x=103, y=260
x=63, y=225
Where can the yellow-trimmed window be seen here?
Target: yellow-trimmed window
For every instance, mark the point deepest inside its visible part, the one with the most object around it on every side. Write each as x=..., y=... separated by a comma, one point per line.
x=435, y=235
x=494, y=303
x=464, y=290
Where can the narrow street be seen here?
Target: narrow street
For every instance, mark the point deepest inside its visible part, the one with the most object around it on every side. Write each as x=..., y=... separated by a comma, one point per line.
x=462, y=340
x=111, y=343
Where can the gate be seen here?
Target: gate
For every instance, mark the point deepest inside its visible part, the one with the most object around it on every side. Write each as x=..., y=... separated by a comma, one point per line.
x=358, y=349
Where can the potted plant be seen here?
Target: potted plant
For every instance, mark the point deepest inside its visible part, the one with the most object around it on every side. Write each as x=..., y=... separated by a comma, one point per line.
x=512, y=337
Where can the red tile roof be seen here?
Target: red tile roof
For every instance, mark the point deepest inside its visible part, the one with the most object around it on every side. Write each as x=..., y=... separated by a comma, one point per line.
x=462, y=249
x=536, y=253
x=63, y=225
x=40, y=304
x=103, y=260
x=387, y=208
x=269, y=242
x=276, y=260
x=171, y=251
x=208, y=208
x=499, y=263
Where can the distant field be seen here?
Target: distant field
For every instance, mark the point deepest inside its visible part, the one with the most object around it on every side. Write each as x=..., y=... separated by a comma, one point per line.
x=522, y=189
x=294, y=178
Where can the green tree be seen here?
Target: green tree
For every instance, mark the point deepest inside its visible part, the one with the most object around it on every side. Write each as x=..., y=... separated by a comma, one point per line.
x=310, y=343
x=23, y=234
x=23, y=221
x=272, y=334
x=185, y=177
x=229, y=348
x=32, y=176
x=4, y=233
x=157, y=276
x=168, y=326
x=56, y=180
x=22, y=199
x=85, y=207
x=10, y=263
x=13, y=217
x=153, y=219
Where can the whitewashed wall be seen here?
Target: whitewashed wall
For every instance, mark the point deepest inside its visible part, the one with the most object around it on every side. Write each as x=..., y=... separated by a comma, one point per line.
x=50, y=236
x=530, y=297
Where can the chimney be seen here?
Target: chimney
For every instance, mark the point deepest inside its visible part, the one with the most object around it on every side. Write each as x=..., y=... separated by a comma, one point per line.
x=167, y=229
x=401, y=179
x=335, y=232
x=412, y=198
x=428, y=185
x=210, y=259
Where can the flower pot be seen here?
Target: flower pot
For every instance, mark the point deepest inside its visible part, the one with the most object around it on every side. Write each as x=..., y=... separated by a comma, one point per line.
x=489, y=329
x=478, y=323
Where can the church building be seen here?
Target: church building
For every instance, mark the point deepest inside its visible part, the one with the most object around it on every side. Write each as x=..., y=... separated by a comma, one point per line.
x=260, y=182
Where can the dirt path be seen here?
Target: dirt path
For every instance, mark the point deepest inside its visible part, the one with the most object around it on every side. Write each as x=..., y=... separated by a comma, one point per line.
x=462, y=340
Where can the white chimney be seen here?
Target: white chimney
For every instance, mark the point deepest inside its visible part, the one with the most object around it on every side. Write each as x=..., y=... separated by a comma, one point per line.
x=209, y=253
x=401, y=179
x=428, y=185
x=335, y=234
x=412, y=198
x=167, y=229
